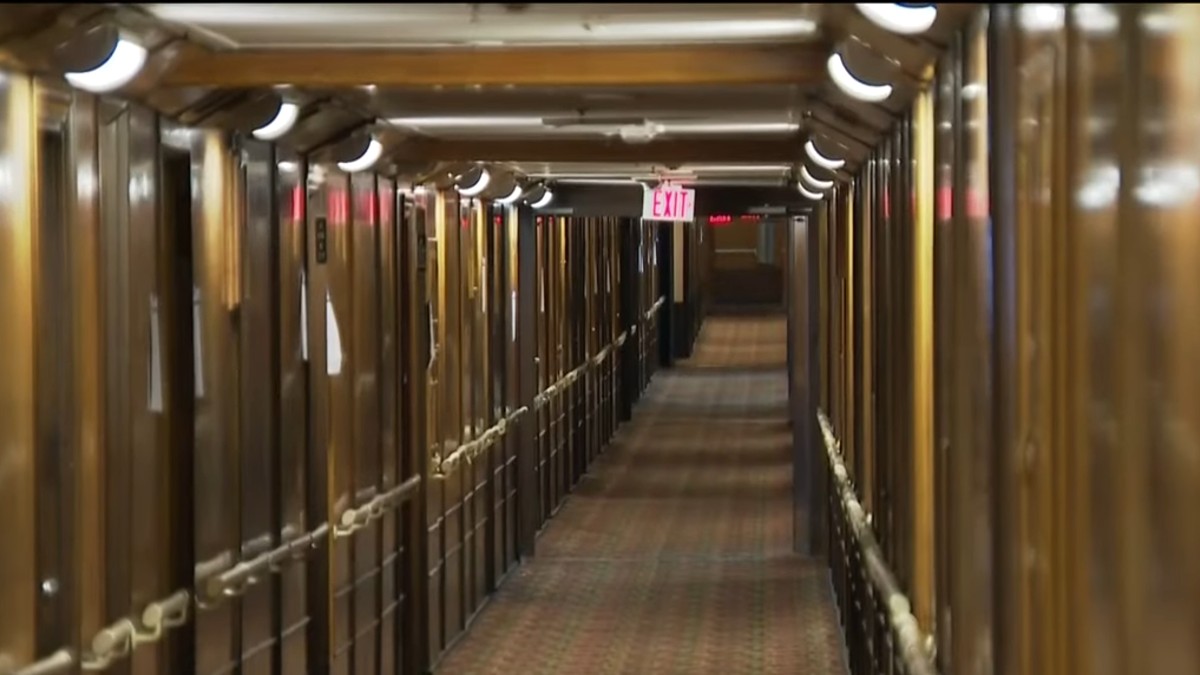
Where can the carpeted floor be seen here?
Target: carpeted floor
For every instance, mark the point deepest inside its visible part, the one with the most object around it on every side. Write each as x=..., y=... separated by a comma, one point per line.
x=674, y=553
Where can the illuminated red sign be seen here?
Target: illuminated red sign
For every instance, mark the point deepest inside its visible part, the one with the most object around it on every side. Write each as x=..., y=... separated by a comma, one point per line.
x=669, y=202
x=726, y=219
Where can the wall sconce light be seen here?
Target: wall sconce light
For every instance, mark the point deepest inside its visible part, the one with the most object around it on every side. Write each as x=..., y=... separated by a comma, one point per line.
x=810, y=149
x=547, y=197
x=101, y=60
x=853, y=87
x=358, y=153
x=898, y=18
x=815, y=196
x=284, y=118
x=539, y=197
x=512, y=196
x=812, y=181
x=472, y=181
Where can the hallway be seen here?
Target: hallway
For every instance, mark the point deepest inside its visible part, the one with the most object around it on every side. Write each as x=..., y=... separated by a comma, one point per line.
x=674, y=554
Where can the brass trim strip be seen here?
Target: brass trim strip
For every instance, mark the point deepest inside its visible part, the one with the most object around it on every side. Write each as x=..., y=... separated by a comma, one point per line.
x=910, y=643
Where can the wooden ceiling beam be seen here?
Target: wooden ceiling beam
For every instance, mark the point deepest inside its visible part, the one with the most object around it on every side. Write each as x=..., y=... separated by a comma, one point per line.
x=673, y=151
x=694, y=65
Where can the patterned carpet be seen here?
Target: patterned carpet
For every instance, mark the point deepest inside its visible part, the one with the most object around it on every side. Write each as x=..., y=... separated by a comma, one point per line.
x=674, y=553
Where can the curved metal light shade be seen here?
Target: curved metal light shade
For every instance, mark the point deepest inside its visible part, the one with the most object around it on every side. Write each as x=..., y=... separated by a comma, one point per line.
x=820, y=160
x=534, y=192
x=512, y=196
x=815, y=196
x=854, y=87
x=476, y=181
x=366, y=160
x=902, y=19
x=285, y=118
x=812, y=181
x=122, y=64
x=544, y=201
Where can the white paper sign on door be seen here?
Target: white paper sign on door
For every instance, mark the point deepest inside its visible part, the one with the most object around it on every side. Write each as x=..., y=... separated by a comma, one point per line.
x=154, y=392
x=333, y=340
x=303, y=316
x=197, y=344
x=514, y=316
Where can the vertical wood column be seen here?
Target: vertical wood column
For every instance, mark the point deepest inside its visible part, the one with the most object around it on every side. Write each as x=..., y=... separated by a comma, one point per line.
x=527, y=449
x=922, y=442
x=18, y=246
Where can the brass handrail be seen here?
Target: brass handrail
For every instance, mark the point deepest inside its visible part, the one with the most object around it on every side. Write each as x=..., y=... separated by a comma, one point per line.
x=61, y=661
x=354, y=519
x=234, y=581
x=118, y=640
x=904, y=627
x=658, y=304
x=442, y=466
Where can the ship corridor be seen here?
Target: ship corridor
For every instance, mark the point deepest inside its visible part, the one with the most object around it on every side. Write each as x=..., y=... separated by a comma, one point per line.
x=578, y=339
x=674, y=554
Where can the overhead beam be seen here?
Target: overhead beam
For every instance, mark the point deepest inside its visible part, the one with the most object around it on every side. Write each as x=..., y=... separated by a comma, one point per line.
x=696, y=65
x=674, y=151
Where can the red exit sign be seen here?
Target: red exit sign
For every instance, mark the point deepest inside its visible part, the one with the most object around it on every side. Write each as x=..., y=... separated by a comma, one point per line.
x=669, y=202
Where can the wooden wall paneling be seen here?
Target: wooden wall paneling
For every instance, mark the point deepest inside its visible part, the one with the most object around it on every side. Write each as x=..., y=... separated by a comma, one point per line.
x=390, y=390
x=18, y=247
x=453, y=421
x=523, y=242
x=295, y=317
x=364, y=432
x=420, y=543
x=318, y=219
x=258, y=411
x=435, y=220
x=341, y=363
x=1157, y=473
x=217, y=504
x=90, y=369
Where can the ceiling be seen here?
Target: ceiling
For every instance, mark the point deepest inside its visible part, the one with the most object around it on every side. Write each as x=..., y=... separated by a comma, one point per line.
x=578, y=92
x=389, y=26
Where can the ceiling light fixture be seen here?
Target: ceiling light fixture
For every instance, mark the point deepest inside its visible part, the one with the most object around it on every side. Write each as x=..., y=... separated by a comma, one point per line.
x=631, y=181
x=365, y=159
x=729, y=168
x=477, y=180
x=730, y=127
x=854, y=87
x=547, y=197
x=279, y=125
x=707, y=30
x=101, y=60
x=1041, y=17
x=512, y=196
x=813, y=181
x=815, y=196
x=585, y=124
x=820, y=160
x=444, y=122
x=898, y=18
